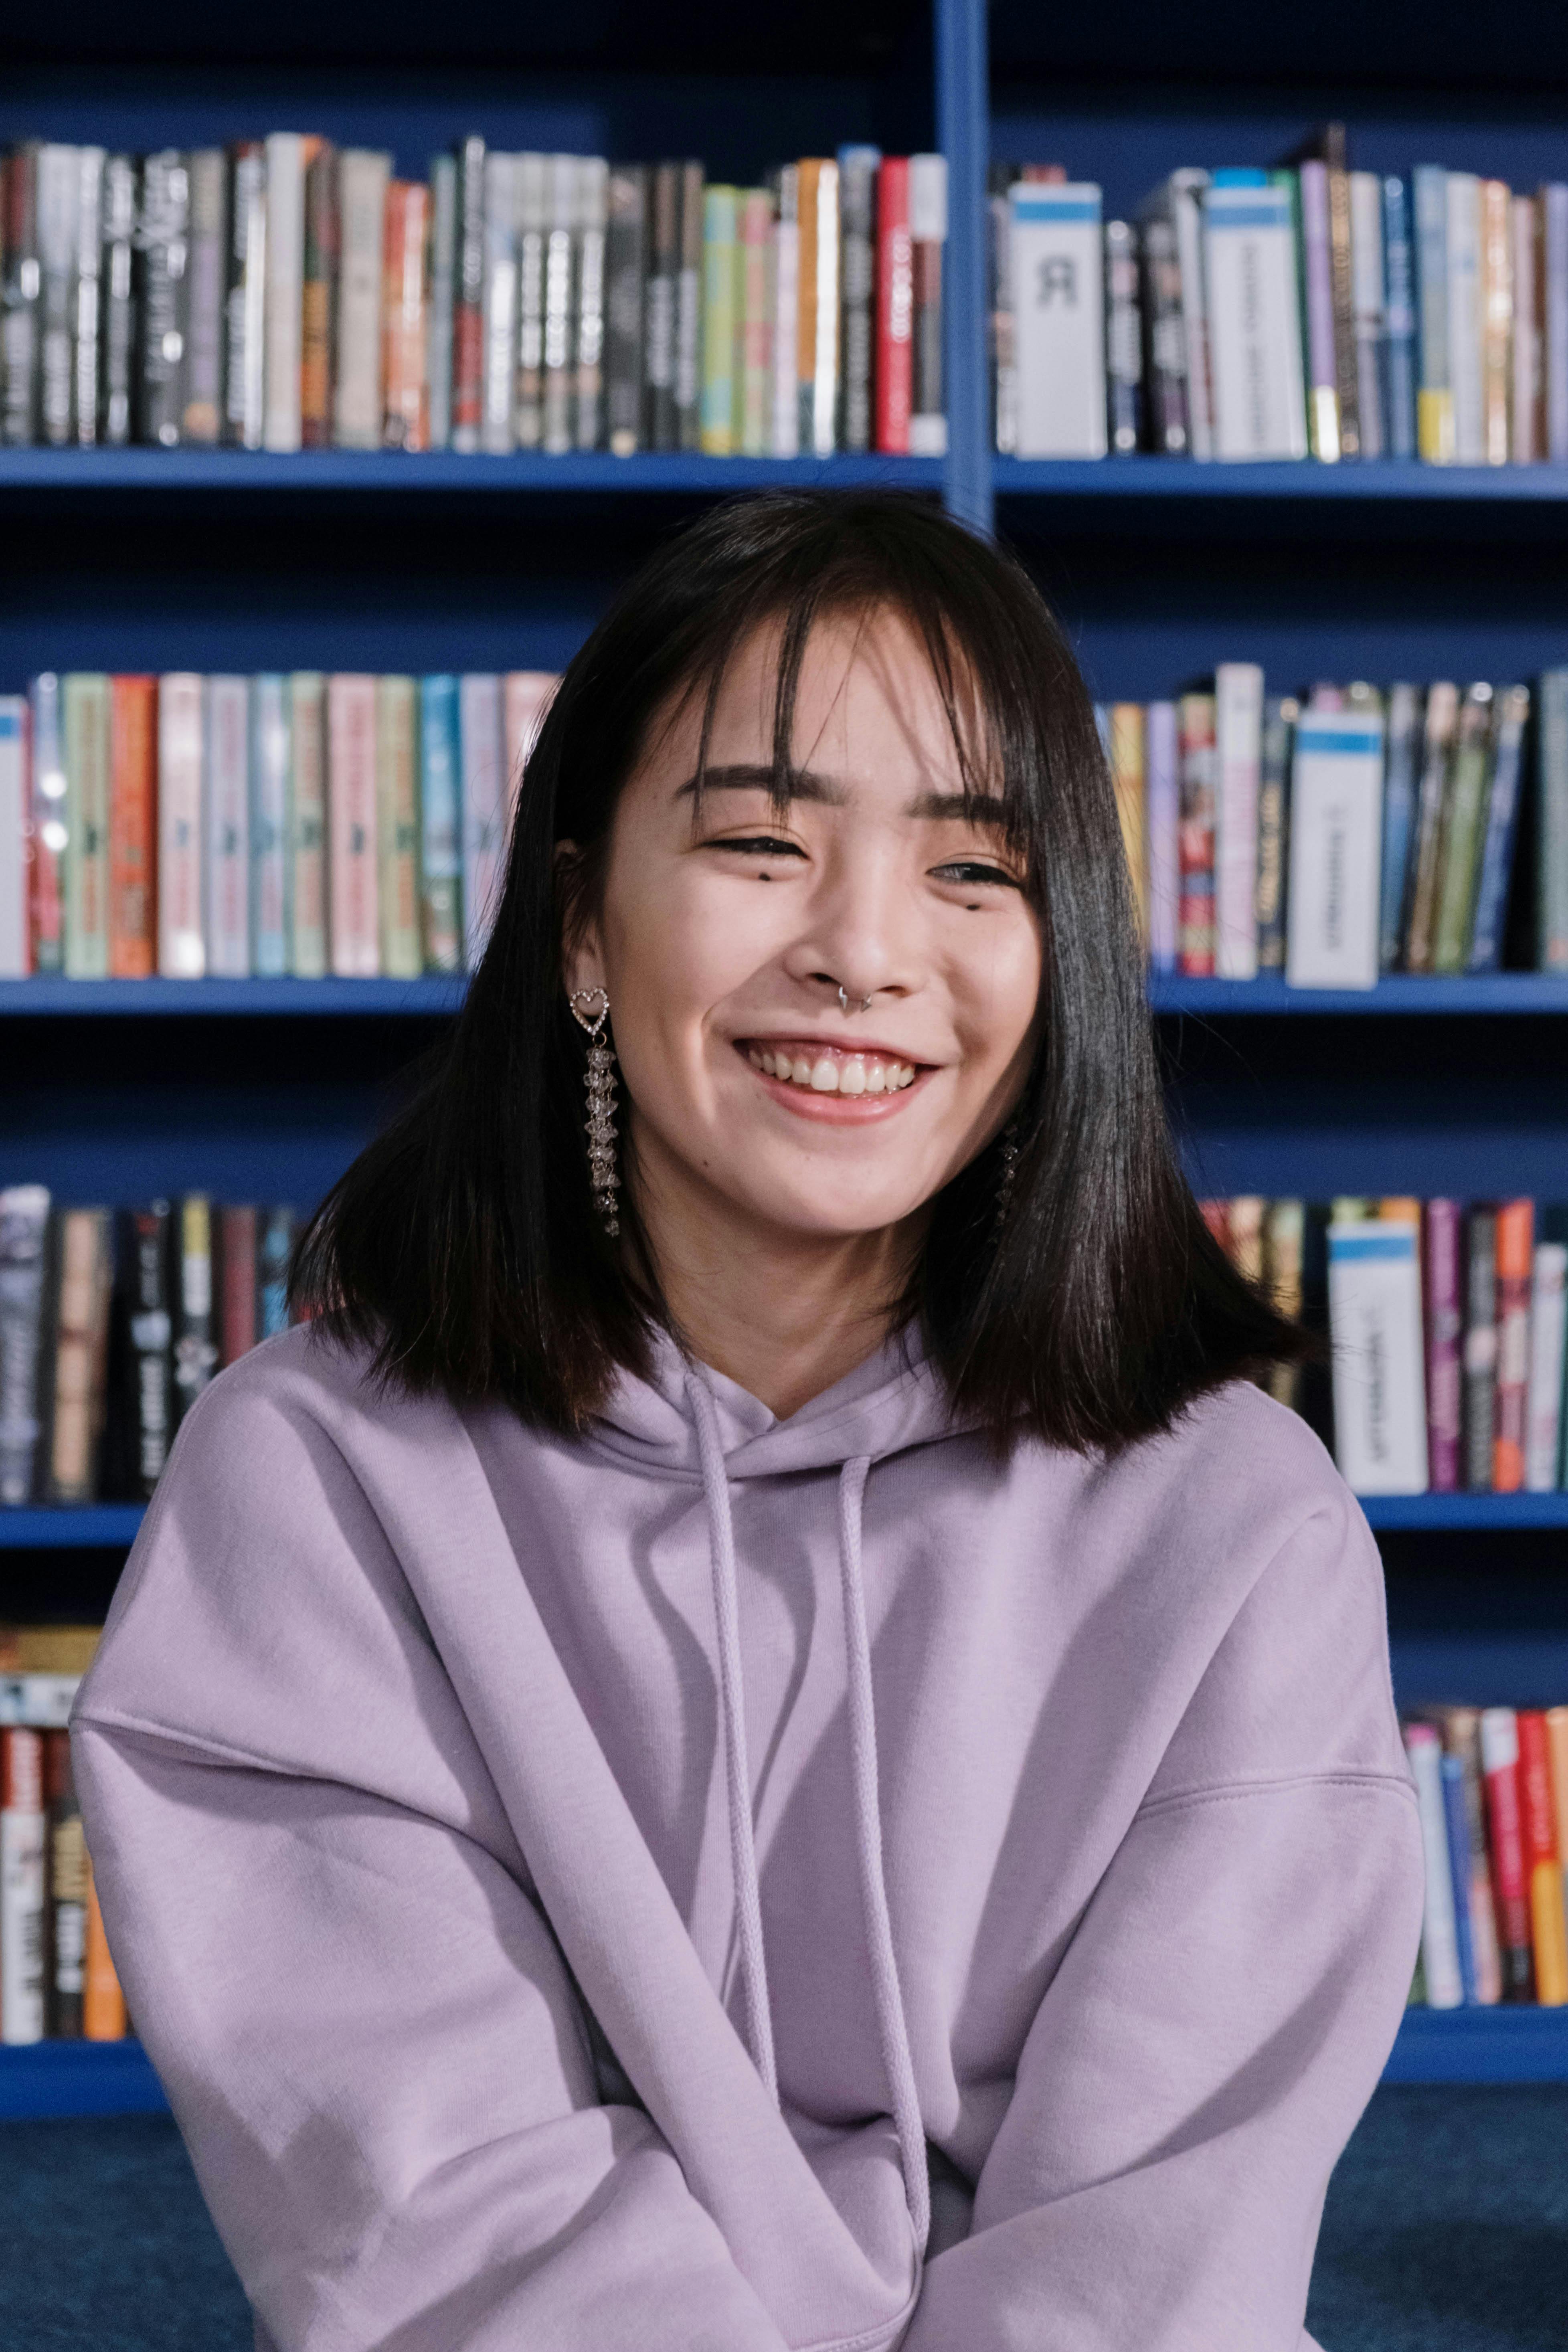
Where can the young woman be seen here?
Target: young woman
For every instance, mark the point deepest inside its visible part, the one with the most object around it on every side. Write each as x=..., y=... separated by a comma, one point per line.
x=755, y=1736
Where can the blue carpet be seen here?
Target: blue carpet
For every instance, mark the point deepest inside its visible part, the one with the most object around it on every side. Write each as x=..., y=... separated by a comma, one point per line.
x=1447, y=2230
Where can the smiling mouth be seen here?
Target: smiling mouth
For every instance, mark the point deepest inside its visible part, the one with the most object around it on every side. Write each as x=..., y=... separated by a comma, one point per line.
x=830, y=1069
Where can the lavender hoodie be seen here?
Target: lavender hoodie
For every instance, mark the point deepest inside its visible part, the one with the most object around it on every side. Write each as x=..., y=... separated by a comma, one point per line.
x=725, y=1884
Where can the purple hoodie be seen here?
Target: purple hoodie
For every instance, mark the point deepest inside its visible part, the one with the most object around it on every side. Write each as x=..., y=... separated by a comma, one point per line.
x=724, y=1884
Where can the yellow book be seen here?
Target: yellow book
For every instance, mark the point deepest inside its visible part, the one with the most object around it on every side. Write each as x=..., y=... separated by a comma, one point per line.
x=1127, y=778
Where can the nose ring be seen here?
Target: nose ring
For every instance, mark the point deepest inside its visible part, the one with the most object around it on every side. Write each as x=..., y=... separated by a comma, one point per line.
x=863, y=1005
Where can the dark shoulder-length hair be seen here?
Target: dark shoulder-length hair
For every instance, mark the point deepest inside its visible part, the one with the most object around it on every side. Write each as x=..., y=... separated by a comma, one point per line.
x=462, y=1247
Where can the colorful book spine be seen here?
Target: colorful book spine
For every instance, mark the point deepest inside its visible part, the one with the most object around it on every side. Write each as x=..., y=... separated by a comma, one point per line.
x=1369, y=300
x=1435, y=397
x=24, y=1274
x=1466, y=320
x=1279, y=716
x=405, y=423
x=271, y=826
x=227, y=891
x=274, y=1247
x=308, y=824
x=1123, y=342
x=753, y=327
x=626, y=270
x=102, y=2001
x=484, y=807
x=148, y=1334
x=1495, y=304
x=1551, y=861
x=182, y=931
x=560, y=294
x=1505, y=1838
x=720, y=253
x=1128, y=781
x=1462, y=1745
x=928, y=240
x=1440, y=732
x=318, y=299
x=1463, y=830
x=397, y=828
x=894, y=372
x=192, y=1301
x=526, y=695
x=688, y=310
x=86, y=716
x=1196, y=925
x=65, y=1873
x=469, y=301
x=816, y=332
x=1515, y=1267
x=534, y=188
x=1543, y=1860
x=785, y=429
x=23, y=1826
x=588, y=306
x=1162, y=825
x=236, y=1268
x=1439, y=1941
x=441, y=314
x=441, y=823
x=1318, y=306
x=16, y=815
x=1254, y=344
x=47, y=835
x=1548, y=1334
x=1400, y=783
x=1399, y=366
x=353, y=910
x=134, y=828
x=1239, y=759
x=1457, y=1821
x=1526, y=387
x=1164, y=342
x=79, y=1372
x=245, y=301
x=1443, y=1264
x=1481, y=1349
x=207, y=172
x=1553, y=307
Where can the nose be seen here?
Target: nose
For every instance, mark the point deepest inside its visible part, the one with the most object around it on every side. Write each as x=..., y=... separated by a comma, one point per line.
x=859, y=933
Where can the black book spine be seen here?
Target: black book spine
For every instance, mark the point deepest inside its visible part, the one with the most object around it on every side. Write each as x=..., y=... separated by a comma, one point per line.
x=19, y=323
x=1164, y=340
x=689, y=312
x=661, y=426
x=57, y=282
x=1123, y=342
x=1481, y=1349
x=163, y=235
x=858, y=285
x=1279, y=715
x=119, y=325
x=196, y=1336
x=625, y=268
x=150, y=1334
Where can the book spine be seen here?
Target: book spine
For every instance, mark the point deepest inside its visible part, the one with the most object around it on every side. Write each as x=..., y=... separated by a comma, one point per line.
x=1318, y=281
x=58, y=172
x=19, y=323
x=1399, y=322
x=1435, y=398
x=1238, y=753
x=809, y=170
x=1374, y=1315
x=24, y=1271
x=626, y=268
x=1481, y=1349
x=274, y=1248
x=1341, y=282
x=1543, y=1862
x=1165, y=339
x=1438, y=751
x=1058, y=319
x=1444, y=1325
x=928, y=236
x=1466, y=320
x=354, y=915
x=858, y=168
x=1368, y=298
x=894, y=370
x=405, y=423
x=1457, y=1822
x=1464, y=827
x=134, y=828
x=441, y=825
x=85, y=701
x=1551, y=865
x=22, y=1882
x=1557, y=1766
x=206, y=169
x=689, y=312
x=1462, y=1742
x=441, y=309
x=237, y=1268
x=269, y=826
x=46, y=881
x=397, y=828
x=526, y=695
x=358, y=403
x=118, y=312
x=308, y=824
x=228, y=827
x=1543, y=1406
x=484, y=807
x=162, y=228
x=86, y=298
x=1003, y=343
x=1279, y=713
x=80, y=1356
x=754, y=326
x=1505, y=1843
x=1439, y=1942
x=1252, y=310
x=245, y=308
x=1284, y=1240
x=1554, y=302
x=65, y=1878
x=1526, y=406
x=102, y=2002
x=1163, y=828
x=1123, y=342
x=719, y=321
x=1515, y=1255
x=588, y=317
x=1129, y=783
x=1196, y=925
x=533, y=180
x=1496, y=307
x=182, y=933
x=784, y=431
x=1187, y=215
x=469, y=320
x=560, y=271
x=1399, y=789
x=195, y=1340
x=15, y=828
x=1512, y=716
x=1336, y=844
x=149, y=1332
x=659, y=307
x=318, y=299
x=286, y=164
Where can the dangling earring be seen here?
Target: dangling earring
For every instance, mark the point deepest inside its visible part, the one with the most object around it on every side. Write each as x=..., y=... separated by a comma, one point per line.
x=601, y=1084
x=1007, y=1176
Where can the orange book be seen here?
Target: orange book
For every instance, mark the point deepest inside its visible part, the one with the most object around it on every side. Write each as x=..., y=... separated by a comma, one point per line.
x=1127, y=779
x=402, y=316
x=102, y=2002
x=1543, y=1862
x=1515, y=1248
x=134, y=828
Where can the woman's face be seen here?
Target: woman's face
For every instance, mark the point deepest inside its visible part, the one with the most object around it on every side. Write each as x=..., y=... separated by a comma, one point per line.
x=726, y=932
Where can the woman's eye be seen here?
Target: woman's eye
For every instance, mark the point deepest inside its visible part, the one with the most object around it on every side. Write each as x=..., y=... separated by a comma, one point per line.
x=969, y=871
x=760, y=844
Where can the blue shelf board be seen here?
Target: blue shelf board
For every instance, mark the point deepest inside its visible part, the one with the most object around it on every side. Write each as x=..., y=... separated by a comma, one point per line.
x=1437, y=1512
x=401, y=475
x=47, y=994
x=1403, y=479
x=1401, y=993
x=61, y=1527
x=78, y=2078
x=1480, y=2045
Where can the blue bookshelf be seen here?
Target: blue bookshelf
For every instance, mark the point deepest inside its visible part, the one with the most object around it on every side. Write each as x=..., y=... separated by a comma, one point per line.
x=246, y=473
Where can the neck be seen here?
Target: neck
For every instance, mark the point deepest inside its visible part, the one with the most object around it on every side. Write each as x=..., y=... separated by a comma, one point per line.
x=783, y=1314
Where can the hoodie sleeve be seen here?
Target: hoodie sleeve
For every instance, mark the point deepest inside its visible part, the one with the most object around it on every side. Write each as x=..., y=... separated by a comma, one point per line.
x=1224, y=2010
x=330, y=1948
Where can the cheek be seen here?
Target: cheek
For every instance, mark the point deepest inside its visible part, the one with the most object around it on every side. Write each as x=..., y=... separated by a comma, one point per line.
x=996, y=986
x=678, y=946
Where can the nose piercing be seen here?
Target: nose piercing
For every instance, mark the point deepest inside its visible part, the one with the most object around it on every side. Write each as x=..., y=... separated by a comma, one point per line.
x=863, y=1005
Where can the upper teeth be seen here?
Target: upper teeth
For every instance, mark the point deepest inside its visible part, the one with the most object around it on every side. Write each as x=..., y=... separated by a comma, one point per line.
x=853, y=1074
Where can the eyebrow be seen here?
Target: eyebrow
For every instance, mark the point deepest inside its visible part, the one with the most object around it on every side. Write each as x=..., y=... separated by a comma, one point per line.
x=986, y=809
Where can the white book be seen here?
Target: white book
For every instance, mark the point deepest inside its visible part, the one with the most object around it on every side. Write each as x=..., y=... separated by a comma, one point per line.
x=22, y=1823
x=484, y=806
x=39, y=1702
x=1465, y=318
x=308, y=824
x=358, y=408
x=269, y=826
x=1254, y=320
x=1161, y=756
x=1336, y=843
x=182, y=933
x=1239, y=762
x=1525, y=361
x=785, y=437
x=284, y=288
x=1543, y=1396
x=1439, y=1928
x=1367, y=303
x=1059, y=311
x=1380, y=1390
x=228, y=827
x=497, y=430
x=15, y=953
x=928, y=227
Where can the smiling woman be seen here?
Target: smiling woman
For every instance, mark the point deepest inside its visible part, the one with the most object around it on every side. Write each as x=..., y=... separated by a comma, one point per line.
x=754, y=1737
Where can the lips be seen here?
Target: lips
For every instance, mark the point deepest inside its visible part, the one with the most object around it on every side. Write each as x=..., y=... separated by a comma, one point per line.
x=821, y=1070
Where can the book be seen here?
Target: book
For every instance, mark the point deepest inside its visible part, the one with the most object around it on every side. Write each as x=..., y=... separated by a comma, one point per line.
x=358, y=395
x=321, y=261
x=1367, y=299
x=1464, y=827
x=84, y=715
x=57, y=169
x=1249, y=272
x=1057, y=310
x=441, y=824
x=753, y=327
x=1331, y=143
x=1542, y=1852
x=1451, y=1775
x=1439, y=1943
x=65, y=1936
x=719, y=340
x=1164, y=340
x=1284, y=1240
x=1465, y=318
x=895, y=297
x=1480, y=1348
x=48, y=836
x=526, y=695
x=148, y=1343
x=560, y=256
x=16, y=820
x=204, y=288
x=227, y=845
x=19, y=323
x=1196, y=916
x=1399, y=344
x=132, y=826
x=1239, y=753
x=440, y=313
x=1128, y=782
x=1161, y=823
x=785, y=410
x=1321, y=362
x=817, y=334
x=1400, y=786
x=307, y=909
x=397, y=828
x=1551, y=856
x=275, y=1243
x=102, y=2001
x=1515, y=1261
x=182, y=933
x=1123, y=342
x=1374, y=1307
x=1177, y=202
x=533, y=194
x=1548, y=1332
x=25, y=1235
x=687, y=379
x=497, y=426
x=1557, y=1766
x=1505, y=1845
x=237, y=1333
x=1435, y=395
x=23, y=1824
x=659, y=307
x=928, y=235
x=1336, y=823
x=353, y=918
x=858, y=171
x=1511, y=719
x=244, y=300
x=79, y=1366
x=405, y=423
x=587, y=367
x=196, y=1352
x=484, y=807
x=288, y=155
x=1521, y=360
x=625, y=272
x=1444, y=1293
x=1495, y=304
x=1440, y=738
x=1552, y=291
x=1461, y=1734
x=469, y=301
x=86, y=298
x=272, y=859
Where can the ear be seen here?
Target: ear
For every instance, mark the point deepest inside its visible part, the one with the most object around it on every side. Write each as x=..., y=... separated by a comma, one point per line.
x=582, y=956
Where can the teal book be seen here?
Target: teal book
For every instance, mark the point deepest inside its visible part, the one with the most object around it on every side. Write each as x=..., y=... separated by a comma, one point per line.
x=441, y=825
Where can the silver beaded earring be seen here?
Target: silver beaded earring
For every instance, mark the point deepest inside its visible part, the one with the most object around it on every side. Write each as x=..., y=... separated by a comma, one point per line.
x=600, y=1085
x=1007, y=1176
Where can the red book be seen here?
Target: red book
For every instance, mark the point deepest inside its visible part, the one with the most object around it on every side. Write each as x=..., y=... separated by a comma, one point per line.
x=894, y=306
x=1515, y=1260
x=1195, y=913
x=1505, y=1841
x=134, y=828
x=402, y=316
x=237, y=1249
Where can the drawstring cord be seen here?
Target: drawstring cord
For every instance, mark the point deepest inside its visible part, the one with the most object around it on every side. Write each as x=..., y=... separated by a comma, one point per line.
x=891, y=2024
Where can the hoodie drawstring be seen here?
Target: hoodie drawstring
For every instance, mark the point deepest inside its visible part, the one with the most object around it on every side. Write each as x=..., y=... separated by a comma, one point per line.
x=891, y=2024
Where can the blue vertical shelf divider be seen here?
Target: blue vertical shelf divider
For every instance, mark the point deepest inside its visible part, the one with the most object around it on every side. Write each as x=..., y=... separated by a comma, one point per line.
x=963, y=116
